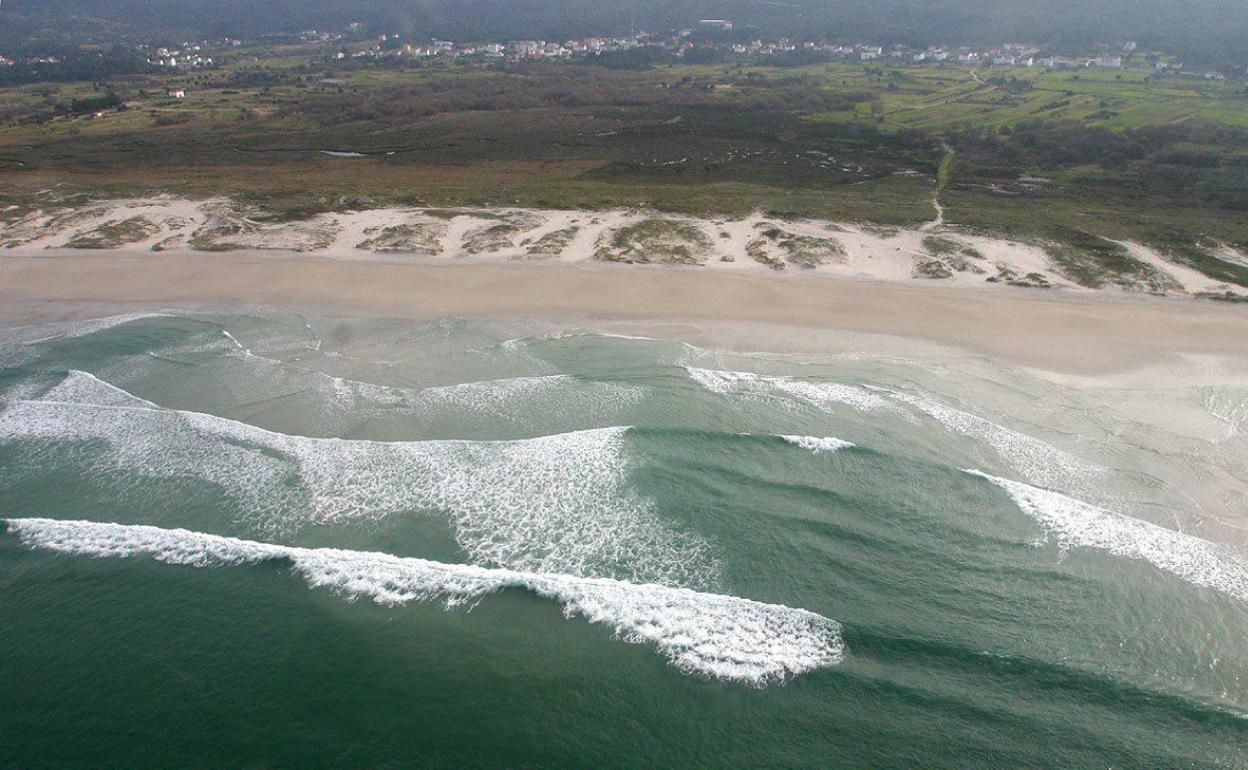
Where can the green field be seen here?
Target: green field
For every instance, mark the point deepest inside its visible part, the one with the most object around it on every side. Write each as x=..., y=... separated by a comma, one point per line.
x=939, y=100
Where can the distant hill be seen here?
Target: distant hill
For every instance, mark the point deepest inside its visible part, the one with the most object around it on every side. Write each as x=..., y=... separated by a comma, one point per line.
x=1205, y=29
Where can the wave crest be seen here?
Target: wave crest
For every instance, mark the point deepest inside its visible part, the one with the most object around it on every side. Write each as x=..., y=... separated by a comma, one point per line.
x=725, y=637
x=817, y=444
x=1074, y=523
x=559, y=503
x=821, y=395
x=1038, y=460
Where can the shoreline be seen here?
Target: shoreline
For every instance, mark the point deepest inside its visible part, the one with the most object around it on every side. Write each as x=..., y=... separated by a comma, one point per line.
x=1080, y=339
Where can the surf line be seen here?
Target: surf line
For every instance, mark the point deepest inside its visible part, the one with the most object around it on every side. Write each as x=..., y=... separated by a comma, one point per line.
x=1076, y=524
x=713, y=635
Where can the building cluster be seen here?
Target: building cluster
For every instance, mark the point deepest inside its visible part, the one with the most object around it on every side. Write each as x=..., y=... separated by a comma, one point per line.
x=189, y=55
x=680, y=42
x=708, y=36
x=1008, y=55
x=511, y=50
x=319, y=36
x=1013, y=55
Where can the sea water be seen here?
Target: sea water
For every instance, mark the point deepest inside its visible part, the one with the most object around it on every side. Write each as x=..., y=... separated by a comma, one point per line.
x=270, y=539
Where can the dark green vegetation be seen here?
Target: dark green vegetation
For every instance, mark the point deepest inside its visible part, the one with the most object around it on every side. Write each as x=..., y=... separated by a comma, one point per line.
x=74, y=64
x=1093, y=262
x=1062, y=158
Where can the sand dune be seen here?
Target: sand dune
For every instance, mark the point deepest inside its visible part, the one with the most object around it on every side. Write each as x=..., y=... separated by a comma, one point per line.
x=933, y=254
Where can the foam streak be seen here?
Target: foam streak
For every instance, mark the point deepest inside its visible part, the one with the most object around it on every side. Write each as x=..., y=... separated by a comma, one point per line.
x=1077, y=524
x=559, y=503
x=817, y=444
x=821, y=395
x=714, y=635
x=1038, y=460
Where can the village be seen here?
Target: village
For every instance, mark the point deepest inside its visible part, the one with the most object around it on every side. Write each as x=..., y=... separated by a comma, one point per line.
x=709, y=40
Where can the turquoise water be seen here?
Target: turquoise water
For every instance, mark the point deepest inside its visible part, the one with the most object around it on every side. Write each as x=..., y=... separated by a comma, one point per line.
x=264, y=539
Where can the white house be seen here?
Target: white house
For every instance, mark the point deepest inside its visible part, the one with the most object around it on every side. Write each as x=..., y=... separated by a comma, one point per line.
x=176, y=93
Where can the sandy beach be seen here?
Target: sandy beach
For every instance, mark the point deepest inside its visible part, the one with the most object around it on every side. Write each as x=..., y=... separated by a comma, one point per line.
x=1079, y=338
x=753, y=283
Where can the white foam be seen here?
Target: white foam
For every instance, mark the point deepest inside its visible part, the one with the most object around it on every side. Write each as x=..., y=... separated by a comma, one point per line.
x=246, y=351
x=817, y=444
x=31, y=335
x=1074, y=523
x=1228, y=405
x=85, y=388
x=1039, y=461
x=519, y=342
x=515, y=395
x=515, y=399
x=512, y=398
x=559, y=503
x=822, y=395
x=719, y=636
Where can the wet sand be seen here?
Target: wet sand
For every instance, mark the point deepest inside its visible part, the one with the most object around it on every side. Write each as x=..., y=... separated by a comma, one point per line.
x=1141, y=342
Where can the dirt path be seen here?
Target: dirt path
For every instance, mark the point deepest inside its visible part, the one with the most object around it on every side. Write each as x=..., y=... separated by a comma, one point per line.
x=942, y=180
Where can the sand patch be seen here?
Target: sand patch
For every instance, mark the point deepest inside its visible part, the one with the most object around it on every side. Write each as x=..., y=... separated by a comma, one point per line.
x=423, y=239
x=229, y=226
x=114, y=233
x=778, y=248
x=553, y=244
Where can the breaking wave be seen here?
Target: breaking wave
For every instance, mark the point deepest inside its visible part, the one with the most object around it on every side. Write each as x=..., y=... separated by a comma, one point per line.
x=508, y=398
x=1076, y=524
x=1038, y=460
x=822, y=395
x=559, y=503
x=85, y=388
x=718, y=636
x=31, y=335
x=1230, y=406
x=818, y=445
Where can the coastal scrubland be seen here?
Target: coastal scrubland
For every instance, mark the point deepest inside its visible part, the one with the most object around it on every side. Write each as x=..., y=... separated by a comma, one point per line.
x=1071, y=161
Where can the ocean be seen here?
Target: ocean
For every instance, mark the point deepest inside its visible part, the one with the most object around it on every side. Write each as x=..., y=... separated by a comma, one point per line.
x=260, y=539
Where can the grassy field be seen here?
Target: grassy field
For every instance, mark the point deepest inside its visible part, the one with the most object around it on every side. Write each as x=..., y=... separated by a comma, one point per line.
x=1162, y=159
x=943, y=99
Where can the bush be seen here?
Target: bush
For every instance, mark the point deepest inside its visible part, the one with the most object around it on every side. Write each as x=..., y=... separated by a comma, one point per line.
x=93, y=103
